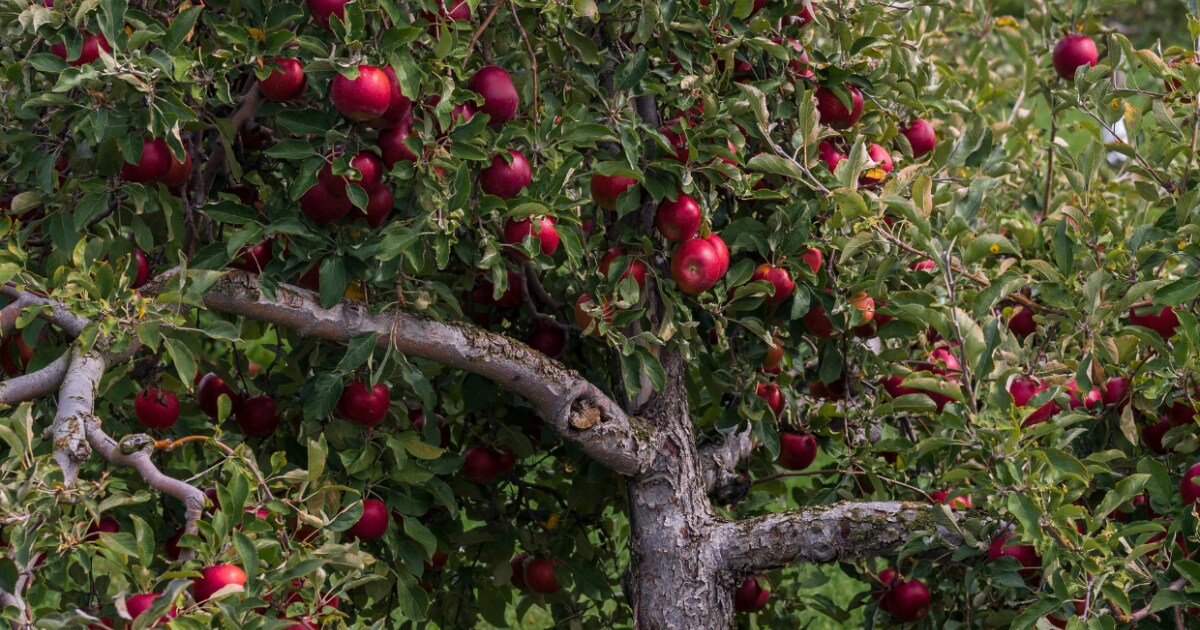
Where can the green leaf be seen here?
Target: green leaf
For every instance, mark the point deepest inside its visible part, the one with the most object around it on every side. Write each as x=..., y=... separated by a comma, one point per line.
x=318, y=451
x=1124, y=490
x=1182, y=290
x=180, y=27
x=630, y=73
x=249, y=556
x=182, y=358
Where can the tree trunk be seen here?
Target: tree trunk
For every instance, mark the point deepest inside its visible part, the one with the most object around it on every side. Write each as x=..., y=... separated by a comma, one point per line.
x=676, y=576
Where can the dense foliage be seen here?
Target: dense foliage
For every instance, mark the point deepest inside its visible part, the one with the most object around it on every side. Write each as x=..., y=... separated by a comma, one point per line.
x=929, y=318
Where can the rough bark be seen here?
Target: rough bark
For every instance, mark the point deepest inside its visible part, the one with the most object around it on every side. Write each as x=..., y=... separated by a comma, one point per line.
x=36, y=384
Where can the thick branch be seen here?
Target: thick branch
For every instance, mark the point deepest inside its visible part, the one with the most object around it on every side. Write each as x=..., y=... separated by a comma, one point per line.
x=43, y=382
x=76, y=404
x=578, y=410
x=829, y=533
x=10, y=313
x=60, y=315
x=718, y=465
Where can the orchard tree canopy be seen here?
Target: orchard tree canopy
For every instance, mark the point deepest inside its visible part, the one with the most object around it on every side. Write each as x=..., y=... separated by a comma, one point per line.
x=599, y=313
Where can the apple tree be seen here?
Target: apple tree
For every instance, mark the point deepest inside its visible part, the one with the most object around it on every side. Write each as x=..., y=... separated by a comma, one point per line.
x=367, y=313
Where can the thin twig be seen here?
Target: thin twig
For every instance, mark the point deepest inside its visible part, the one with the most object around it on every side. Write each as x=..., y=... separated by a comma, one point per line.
x=532, y=59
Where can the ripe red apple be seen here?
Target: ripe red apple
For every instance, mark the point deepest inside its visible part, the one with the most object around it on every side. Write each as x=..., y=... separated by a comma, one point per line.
x=773, y=396
x=511, y=298
x=539, y=575
x=253, y=258
x=370, y=174
x=152, y=166
x=1021, y=323
x=547, y=338
x=209, y=389
x=417, y=418
x=634, y=267
x=458, y=11
x=256, y=416
x=392, y=146
x=818, y=322
x=774, y=357
x=1189, y=490
x=696, y=266
x=883, y=165
x=1092, y=400
x=324, y=206
x=135, y=605
x=813, y=258
x=518, y=570
x=373, y=523
x=379, y=206
x=958, y=503
x=1024, y=554
x=921, y=137
x=1181, y=412
x=436, y=562
x=106, y=525
x=834, y=113
x=143, y=268
x=923, y=265
x=779, y=279
x=362, y=98
x=797, y=450
x=584, y=320
x=606, y=189
x=399, y=111
x=677, y=220
x=215, y=578
x=540, y=229
x=1073, y=51
x=156, y=408
x=907, y=601
x=1152, y=436
x=481, y=465
x=362, y=406
x=89, y=52
x=865, y=305
x=943, y=361
x=750, y=596
x=322, y=10
x=285, y=82
x=829, y=154
x=1116, y=392
x=506, y=180
x=1022, y=391
x=1165, y=322
x=500, y=98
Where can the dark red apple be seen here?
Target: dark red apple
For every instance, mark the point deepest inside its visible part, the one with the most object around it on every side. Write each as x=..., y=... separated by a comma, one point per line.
x=673, y=132
x=362, y=406
x=908, y=601
x=500, y=98
x=1073, y=51
x=143, y=268
x=678, y=220
x=364, y=97
x=773, y=358
x=829, y=154
x=1092, y=400
x=399, y=111
x=1189, y=490
x=1021, y=323
x=511, y=298
x=1026, y=555
x=152, y=166
x=883, y=165
x=156, y=408
x=209, y=389
x=481, y=465
x=135, y=605
x=1181, y=412
x=504, y=179
x=584, y=320
x=417, y=418
x=90, y=51
x=773, y=396
x=379, y=206
x=1152, y=436
x=106, y=525
x=370, y=174
x=547, y=337
x=256, y=416
x=285, y=82
x=322, y=10
x=695, y=266
x=1116, y=392
x=921, y=137
x=324, y=206
x=215, y=578
x=750, y=596
x=518, y=570
x=373, y=523
x=1165, y=322
x=540, y=229
x=834, y=113
x=392, y=146
x=778, y=278
x=634, y=267
x=1023, y=390
x=818, y=322
x=813, y=258
x=253, y=258
x=797, y=450
x=606, y=189
x=539, y=576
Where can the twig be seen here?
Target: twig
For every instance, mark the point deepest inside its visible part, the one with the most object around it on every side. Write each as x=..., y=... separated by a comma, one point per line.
x=1049, y=155
x=532, y=59
x=1142, y=613
x=482, y=27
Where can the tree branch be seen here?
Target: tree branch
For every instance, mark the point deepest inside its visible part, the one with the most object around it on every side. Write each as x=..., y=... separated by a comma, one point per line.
x=10, y=313
x=718, y=464
x=826, y=533
x=60, y=315
x=43, y=382
x=578, y=410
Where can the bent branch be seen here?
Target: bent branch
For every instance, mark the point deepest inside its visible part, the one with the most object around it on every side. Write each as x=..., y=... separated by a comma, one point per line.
x=578, y=410
x=36, y=384
x=829, y=533
x=59, y=315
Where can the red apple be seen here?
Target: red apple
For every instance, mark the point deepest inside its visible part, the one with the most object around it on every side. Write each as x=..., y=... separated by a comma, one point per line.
x=156, y=408
x=834, y=113
x=1165, y=322
x=511, y=298
x=773, y=396
x=256, y=416
x=143, y=268
x=828, y=154
x=417, y=418
x=322, y=10
x=907, y=601
x=138, y=604
x=370, y=174
x=379, y=206
x=539, y=575
x=1073, y=51
x=1021, y=323
x=153, y=165
x=89, y=52
x=518, y=569
x=500, y=98
x=253, y=258
x=540, y=229
x=923, y=265
x=1093, y=400
x=362, y=406
x=399, y=111
x=750, y=596
x=1181, y=412
x=392, y=146
x=921, y=137
x=1026, y=555
x=324, y=206
x=584, y=320
x=678, y=220
x=865, y=305
x=1116, y=392
x=1189, y=490
x=215, y=578
x=774, y=357
x=481, y=465
x=634, y=267
x=883, y=165
x=373, y=523
x=943, y=361
x=813, y=258
x=209, y=389
x=106, y=525
x=1022, y=391
x=547, y=338
x=364, y=97
x=958, y=503
x=1152, y=436
x=285, y=82
x=722, y=251
x=818, y=322
x=778, y=278
x=797, y=450
x=695, y=266
x=606, y=189
x=506, y=180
